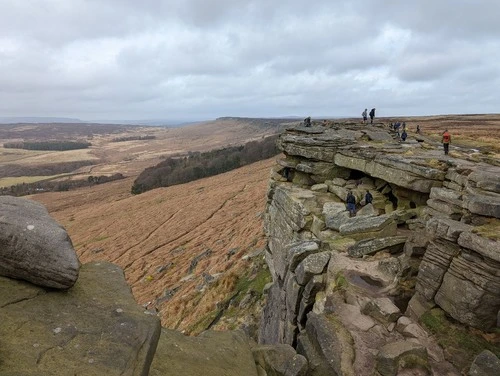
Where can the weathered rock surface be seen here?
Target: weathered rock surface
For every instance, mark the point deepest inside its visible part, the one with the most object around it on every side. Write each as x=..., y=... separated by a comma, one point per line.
x=485, y=364
x=94, y=328
x=370, y=246
x=400, y=355
x=439, y=210
x=33, y=246
x=280, y=360
x=211, y=353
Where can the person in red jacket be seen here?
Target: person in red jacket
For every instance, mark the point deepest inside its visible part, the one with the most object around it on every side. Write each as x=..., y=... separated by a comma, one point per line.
x=446, y=141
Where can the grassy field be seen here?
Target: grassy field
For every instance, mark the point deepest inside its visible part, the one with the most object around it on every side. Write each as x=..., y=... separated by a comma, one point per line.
x=7, y=182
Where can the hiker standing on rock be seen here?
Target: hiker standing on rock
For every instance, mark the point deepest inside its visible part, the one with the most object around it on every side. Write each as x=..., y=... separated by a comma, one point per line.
x=351, y=204
x=372, y=115
x=404, y=135
x=368, y=197
x=446, y=141
x=364, y=114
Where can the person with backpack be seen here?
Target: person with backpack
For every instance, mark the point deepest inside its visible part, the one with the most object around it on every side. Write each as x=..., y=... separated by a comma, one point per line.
x=372, y=115
x=446, y=141
x=351, y=203
x=404, y=135
x=364, y=114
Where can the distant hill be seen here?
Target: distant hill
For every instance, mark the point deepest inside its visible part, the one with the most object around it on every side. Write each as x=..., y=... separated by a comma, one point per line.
x=19, y=119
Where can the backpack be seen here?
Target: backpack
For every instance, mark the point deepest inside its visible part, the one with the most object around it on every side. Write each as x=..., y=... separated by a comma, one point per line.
x=446, y=138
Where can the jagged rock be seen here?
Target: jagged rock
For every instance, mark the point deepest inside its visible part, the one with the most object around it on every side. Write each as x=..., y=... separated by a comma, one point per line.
x=487, y=179
x=93, y=328
x=319, y=188
x=280, y=360
x=447, y=195
x=382, y=309
x=469, y=292
x=446, y=228
x=210, y=354
x=371, y=246
x=433, y=267
x=315, y=285
x=378, y=136
x=353, y=316
x=327, y=345
x=367, y=211
x=393, y=170
x=318, y=225
x=336, y=220
x=368, y=227
x=34, y=247
x=416, y=244
x=298, y=252
x=485, y=364
x=271, y=328
x=486, y=247
x=401, y=354
x=451, y=211
x=483, y=204
x=310, y=266
x=340, y=192
x=293, y=295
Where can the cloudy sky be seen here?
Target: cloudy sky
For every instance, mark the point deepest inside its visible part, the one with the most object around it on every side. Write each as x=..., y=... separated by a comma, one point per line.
x=201, y=59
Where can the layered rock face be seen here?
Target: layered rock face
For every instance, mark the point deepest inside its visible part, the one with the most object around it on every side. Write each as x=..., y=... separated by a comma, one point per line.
x=342, y=285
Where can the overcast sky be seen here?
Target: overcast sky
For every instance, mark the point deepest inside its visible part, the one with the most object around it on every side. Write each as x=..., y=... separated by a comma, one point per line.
x=201, y=59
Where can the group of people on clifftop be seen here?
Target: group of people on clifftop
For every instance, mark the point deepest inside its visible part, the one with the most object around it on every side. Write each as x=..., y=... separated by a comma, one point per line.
x=365, y=114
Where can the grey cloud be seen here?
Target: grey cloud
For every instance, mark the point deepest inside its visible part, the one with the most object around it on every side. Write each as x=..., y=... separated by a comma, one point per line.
x=131, y=59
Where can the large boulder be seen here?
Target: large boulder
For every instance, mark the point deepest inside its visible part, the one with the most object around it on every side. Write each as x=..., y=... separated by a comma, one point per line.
x=33, y=246
x=280, y=360
x=94, y=328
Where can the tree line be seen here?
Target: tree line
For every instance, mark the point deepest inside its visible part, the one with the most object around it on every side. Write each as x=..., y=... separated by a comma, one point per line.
x=132, y=138
x=197, y=165
x=47, y=145
x=24, y=189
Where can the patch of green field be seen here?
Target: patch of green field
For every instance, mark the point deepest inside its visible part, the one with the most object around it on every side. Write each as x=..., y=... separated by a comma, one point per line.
x=7, y=182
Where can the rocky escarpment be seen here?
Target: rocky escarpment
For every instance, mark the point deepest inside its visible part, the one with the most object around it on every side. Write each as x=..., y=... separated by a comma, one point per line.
x=352, y=293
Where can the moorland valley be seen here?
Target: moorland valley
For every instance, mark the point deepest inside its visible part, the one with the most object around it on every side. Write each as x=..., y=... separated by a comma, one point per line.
x=191, y=252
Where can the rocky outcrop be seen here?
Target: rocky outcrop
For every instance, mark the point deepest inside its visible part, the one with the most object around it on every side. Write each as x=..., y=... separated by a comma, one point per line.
x=94, y=328
x=348, y=291
x=34, y=247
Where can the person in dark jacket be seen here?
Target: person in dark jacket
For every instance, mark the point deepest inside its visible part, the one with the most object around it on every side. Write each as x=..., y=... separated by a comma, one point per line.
x=307, y=121
x=404, y=135
x=372, y=115
x=368, y=197
x=351, y=203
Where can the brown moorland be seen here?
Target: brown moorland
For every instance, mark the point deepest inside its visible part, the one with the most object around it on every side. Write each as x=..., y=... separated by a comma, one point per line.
x=156, y=236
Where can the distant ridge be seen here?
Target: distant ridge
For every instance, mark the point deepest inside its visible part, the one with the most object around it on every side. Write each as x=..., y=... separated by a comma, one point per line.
x=35, y=119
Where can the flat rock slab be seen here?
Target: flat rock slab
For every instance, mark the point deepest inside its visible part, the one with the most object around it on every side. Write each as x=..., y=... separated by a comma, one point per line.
x=394, y=355
x=371, y=246
x=94, y=328
x=210, y=354
x=33, y=246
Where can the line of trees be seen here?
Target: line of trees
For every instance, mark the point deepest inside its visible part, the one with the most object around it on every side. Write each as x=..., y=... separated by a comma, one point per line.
x=132, y=138
x=198, y=165
x=17, y=170
x=47, y=145
x=24, y=189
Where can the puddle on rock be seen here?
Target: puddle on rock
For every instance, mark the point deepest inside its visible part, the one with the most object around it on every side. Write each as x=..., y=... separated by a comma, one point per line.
x=364, y=281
